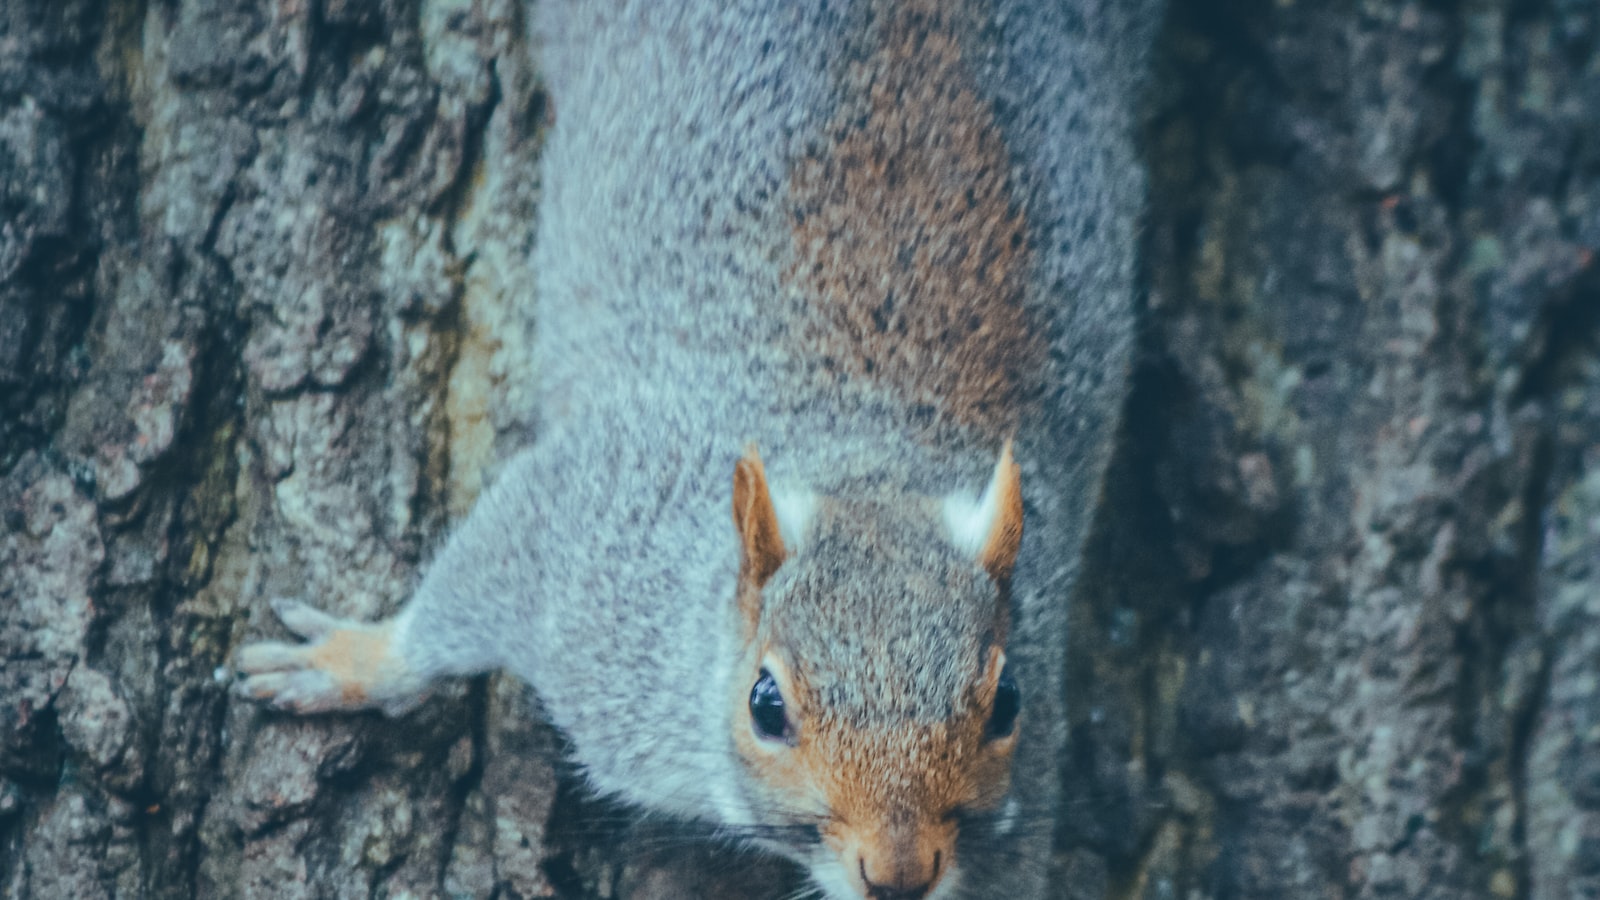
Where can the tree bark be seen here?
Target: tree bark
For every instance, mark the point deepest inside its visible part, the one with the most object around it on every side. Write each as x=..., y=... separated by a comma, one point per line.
x=264, y=326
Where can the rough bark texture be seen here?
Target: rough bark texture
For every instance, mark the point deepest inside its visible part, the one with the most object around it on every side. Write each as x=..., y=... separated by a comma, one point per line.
x=263, y=323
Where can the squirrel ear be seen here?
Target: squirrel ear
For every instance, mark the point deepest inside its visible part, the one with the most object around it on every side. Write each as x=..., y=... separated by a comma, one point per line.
x=754, y=515
x=991, y=529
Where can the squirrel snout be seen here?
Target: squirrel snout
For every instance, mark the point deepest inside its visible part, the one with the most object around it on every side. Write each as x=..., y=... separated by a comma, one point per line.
x=904, y=885
x=905, y=869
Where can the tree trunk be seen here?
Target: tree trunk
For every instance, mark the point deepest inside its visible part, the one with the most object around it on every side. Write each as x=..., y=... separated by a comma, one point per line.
x=264, y=325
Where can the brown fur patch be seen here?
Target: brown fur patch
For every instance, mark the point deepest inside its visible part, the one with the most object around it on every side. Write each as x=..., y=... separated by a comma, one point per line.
x=356, y=658
x=909, y=249
x=891, y=795
x=892, y=790
x=885, y=795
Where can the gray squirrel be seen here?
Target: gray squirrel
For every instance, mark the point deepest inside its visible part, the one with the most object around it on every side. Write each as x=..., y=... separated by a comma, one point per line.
x=836, y=310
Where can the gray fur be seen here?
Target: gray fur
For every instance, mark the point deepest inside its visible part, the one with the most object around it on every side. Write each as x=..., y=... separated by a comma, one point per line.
x=601, y=566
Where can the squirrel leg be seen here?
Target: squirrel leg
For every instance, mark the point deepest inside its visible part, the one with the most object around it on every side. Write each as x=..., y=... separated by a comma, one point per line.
x=469, y=614
x=342, y=665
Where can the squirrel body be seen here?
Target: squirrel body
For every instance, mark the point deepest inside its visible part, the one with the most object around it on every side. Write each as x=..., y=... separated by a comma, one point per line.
x=863, y=273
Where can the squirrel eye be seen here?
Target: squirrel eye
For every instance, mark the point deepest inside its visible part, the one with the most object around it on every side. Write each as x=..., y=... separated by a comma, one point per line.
x=1007, y=703
x=766, y=709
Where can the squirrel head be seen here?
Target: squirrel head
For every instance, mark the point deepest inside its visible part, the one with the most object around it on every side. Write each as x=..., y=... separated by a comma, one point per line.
x=873, y=711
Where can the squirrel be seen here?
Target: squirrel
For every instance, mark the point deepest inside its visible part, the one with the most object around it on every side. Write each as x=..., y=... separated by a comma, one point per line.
x=836, y=305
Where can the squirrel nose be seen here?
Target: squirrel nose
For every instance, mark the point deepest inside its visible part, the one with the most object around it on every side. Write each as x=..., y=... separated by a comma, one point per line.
x=877, y=892
x=900, y=888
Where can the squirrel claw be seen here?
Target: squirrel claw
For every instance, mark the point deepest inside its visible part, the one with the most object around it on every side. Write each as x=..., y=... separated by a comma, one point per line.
x=305, y=621
x=301, y=691
x=269, y=656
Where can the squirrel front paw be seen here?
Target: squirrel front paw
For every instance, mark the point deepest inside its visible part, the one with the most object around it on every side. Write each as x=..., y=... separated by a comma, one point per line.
x=343, y=665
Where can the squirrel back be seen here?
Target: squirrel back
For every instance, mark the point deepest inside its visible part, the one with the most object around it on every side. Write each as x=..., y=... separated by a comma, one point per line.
x=861, y=274
x=893, y=225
